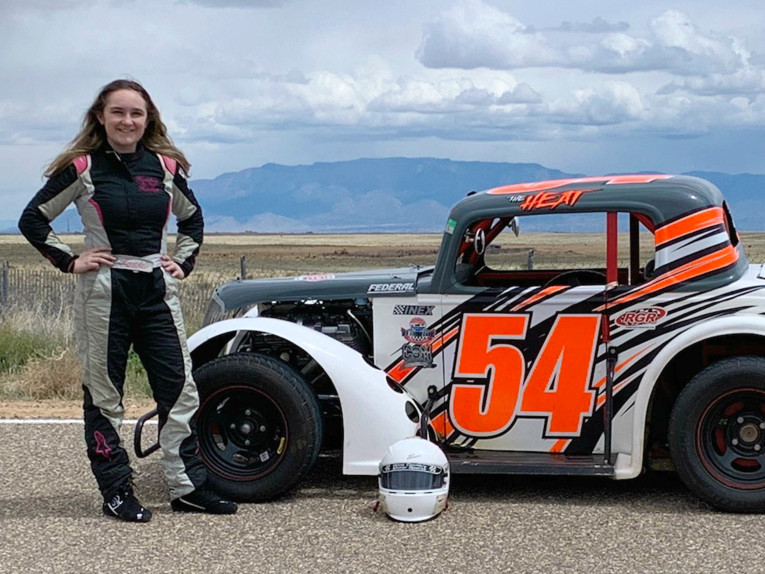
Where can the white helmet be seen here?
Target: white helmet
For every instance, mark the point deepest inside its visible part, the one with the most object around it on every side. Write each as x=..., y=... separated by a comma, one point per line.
x=413, y=480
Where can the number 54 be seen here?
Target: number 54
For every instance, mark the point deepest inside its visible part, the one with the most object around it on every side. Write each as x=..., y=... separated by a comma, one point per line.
x=491, y=389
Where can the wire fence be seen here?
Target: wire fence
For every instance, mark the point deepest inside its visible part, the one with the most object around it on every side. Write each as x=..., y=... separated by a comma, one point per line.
x=50, y=291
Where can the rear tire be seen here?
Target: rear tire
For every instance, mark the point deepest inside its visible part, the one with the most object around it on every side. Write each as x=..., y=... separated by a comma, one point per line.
x=717, y=434
x=259, y=426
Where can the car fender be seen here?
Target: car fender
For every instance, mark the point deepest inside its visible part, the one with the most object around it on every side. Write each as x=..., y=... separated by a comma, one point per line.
x=374, y=414
x=735, y=325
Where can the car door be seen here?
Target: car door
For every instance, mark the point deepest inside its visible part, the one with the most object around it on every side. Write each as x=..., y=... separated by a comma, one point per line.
x=525, y=361
x=525, y=370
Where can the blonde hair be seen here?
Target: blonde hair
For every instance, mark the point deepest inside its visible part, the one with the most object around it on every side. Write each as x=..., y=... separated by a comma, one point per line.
x=93, y=135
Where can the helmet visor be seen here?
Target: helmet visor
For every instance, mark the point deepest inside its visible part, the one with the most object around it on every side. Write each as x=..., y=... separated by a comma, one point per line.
x=411, y=476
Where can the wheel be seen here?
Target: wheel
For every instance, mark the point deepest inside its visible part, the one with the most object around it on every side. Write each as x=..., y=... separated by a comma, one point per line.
x=259, y=426
x=577, y=277
x=717, y=434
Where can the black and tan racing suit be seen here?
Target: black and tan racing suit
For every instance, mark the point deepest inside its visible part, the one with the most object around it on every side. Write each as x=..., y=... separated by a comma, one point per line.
x=125, y=201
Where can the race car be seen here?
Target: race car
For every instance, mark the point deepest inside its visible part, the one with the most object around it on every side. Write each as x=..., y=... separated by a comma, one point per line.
x=652, y=357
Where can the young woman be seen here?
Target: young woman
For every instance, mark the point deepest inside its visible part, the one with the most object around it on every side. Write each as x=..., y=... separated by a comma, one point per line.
x=125, y=176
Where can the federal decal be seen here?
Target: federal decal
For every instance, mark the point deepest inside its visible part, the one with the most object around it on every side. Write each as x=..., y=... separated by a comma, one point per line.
x=391, y=288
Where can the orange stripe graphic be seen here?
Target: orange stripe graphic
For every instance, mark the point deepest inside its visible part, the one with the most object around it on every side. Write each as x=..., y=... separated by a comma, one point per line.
x=621, y=366
x=694, y=222
x=559, y=445
x=717, y=260
x=541, y=295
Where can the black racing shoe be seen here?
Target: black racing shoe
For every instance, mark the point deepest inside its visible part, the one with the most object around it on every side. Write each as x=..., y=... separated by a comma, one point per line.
x=125, y=506
x=201, y=500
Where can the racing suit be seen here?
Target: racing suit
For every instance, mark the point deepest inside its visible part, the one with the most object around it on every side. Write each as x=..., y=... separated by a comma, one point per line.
x=124, y=201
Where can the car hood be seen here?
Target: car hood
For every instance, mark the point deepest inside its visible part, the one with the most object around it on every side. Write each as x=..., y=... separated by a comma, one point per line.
x=324, y=286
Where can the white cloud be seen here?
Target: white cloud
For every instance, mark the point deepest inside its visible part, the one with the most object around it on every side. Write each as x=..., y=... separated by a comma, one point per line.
x=475, y=34
x=614, y=103
x=242, y=83
x=598, y=25
x=748, y=82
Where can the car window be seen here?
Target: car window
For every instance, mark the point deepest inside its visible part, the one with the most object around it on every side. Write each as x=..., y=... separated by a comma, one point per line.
x=549, y=245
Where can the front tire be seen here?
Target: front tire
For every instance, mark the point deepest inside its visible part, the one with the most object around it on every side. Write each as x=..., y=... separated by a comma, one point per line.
x=259, y=426
x=717, y=434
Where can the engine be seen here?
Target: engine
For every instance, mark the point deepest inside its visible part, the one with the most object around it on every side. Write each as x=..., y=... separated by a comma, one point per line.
x=349, y=322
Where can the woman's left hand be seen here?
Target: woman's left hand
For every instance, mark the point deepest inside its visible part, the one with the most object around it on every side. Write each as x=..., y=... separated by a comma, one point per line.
x=172, y=267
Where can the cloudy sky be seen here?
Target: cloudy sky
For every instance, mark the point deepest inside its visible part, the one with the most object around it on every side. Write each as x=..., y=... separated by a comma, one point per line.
x=591, y=87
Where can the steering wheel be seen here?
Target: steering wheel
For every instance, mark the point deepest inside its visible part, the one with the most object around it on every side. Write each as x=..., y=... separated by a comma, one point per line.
x=577, y=277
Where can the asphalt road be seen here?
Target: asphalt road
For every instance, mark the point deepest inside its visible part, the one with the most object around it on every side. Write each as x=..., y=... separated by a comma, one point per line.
x=50, y=521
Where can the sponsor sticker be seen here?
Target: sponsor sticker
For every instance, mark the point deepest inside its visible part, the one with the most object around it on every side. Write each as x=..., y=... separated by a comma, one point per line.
x=417, y=351
x=391, y=288
x=133, y=264
x=552, y=199
x=315, y=277
x=413, y=310
x=450, y=225
x=644, y=318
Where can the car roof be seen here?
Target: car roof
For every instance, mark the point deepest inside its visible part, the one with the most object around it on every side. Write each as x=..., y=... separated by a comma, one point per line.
x=662, y=197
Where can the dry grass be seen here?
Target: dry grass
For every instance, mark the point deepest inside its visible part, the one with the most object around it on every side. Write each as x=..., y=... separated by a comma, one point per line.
x=55, y=376
x=50, y=369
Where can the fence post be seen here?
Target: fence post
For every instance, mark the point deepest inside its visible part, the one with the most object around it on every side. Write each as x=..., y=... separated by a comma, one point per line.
x=243, y=267
x=4, y=284
x=530, y=261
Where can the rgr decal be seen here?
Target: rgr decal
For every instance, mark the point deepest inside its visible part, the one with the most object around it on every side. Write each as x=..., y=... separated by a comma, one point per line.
x=645, y=318
x=491, y=389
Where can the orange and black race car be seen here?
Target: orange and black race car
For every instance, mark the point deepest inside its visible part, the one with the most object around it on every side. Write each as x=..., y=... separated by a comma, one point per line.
x=652, y=355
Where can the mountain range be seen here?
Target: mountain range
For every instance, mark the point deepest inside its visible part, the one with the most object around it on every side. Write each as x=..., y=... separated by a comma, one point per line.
x=386, y=195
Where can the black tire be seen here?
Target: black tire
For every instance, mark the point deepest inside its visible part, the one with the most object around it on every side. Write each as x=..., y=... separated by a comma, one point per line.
x=259, y=426
x=717, y=435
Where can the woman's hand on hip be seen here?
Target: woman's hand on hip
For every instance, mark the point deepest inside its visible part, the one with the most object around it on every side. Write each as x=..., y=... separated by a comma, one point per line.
x=92, y=259
x=172, y=267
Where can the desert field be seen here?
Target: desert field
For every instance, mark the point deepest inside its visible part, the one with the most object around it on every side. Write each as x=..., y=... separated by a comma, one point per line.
x=49, y=375
x=269, y=255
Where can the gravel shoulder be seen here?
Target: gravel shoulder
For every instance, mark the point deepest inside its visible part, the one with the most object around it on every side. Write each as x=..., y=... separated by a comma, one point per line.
x=56, y=409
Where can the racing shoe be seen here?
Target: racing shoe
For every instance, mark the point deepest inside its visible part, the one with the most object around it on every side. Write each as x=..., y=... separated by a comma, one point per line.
x=201, y=500
x=125, y=506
